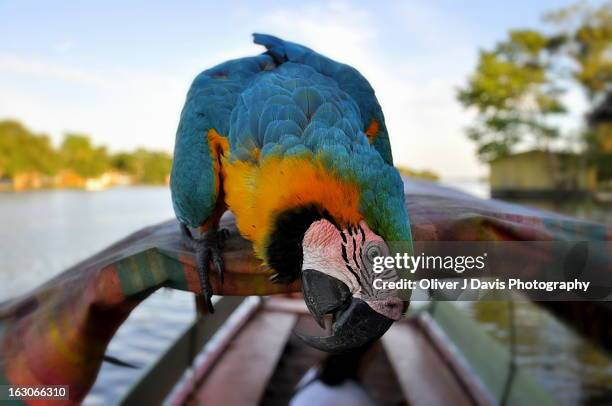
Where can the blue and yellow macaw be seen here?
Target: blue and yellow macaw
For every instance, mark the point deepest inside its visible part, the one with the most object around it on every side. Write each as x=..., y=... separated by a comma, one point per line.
x=295, y=145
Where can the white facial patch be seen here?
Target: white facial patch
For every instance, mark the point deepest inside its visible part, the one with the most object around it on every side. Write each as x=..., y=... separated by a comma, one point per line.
x=339, y=253
x=322, y=251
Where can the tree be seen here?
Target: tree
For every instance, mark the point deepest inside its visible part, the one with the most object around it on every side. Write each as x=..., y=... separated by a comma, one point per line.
x=81, y=156
x=598, y=138
x=586, y=34
x=23, y=151
x=514, y=95
x=151, y=167
x=587, y=43
x=124, y=162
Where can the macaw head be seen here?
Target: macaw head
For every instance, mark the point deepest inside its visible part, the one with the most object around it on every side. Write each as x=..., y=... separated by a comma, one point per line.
x=335, y=267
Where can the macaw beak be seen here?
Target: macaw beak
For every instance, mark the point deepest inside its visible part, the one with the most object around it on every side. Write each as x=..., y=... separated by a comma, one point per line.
x=355, y=323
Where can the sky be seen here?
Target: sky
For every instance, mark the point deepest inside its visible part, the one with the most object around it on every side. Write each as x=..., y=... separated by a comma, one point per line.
x=119, y=71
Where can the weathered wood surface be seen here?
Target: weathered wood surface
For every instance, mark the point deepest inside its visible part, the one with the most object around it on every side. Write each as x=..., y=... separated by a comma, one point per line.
x=241, y=375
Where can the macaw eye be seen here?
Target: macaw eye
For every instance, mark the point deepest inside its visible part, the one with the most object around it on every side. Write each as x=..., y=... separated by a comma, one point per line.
x=371, y=252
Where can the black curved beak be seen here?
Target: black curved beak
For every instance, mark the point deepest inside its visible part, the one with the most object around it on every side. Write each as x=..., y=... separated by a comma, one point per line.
x=355, y=324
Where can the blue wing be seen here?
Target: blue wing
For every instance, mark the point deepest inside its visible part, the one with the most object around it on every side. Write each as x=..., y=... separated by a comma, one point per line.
x=210, y=100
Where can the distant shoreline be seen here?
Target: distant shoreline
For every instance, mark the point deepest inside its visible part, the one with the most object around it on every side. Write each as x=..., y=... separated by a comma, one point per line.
x=82, y=188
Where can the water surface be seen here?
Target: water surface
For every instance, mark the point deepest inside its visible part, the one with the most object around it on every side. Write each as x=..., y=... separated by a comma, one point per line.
x=45, y=232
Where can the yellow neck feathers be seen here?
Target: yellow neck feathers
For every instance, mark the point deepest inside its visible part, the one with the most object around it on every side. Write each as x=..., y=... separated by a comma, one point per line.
x=257, y=191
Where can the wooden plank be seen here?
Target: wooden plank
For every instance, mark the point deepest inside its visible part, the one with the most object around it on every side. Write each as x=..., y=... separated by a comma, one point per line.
x=157, y=381
x=213, y=351
x=423, y=375
x=288, y=305
x=241, y=375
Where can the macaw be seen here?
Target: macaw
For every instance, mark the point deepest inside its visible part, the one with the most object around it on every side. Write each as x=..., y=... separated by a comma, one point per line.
x=294, y=144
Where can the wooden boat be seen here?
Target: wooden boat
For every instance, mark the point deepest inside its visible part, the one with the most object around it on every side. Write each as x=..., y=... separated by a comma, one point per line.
x=436, y=356
x=60, y=331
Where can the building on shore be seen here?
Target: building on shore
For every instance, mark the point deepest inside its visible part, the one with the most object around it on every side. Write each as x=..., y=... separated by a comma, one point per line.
x=65, y=179
x=26, y=180
x=69, y=179
x=541, y=174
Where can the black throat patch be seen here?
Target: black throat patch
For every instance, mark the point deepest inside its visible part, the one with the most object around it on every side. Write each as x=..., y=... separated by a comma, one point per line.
x=284, y=248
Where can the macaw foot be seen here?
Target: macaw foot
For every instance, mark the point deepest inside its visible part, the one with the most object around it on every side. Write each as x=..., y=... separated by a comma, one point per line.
x=207, y=247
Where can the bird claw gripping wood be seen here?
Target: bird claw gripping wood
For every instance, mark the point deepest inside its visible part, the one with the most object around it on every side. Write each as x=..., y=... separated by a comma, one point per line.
x=207, y=247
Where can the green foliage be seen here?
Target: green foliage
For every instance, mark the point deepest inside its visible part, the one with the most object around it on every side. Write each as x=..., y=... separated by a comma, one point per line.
x=513, y=94
x=81, y=156
x=23, y=151
x=587, y=41
x=598, y=139
x=151, y=167
x=515, y=87
x=424, y=174
x=597, y=156
x=124, y=162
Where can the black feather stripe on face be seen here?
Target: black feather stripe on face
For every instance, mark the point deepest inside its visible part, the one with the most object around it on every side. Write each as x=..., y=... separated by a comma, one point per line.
x=345, y=257
x=284, y=249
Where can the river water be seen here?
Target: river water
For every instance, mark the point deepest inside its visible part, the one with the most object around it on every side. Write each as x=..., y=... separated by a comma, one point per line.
x=44, y=232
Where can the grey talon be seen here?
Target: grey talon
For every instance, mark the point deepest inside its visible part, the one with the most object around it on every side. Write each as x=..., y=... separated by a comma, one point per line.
x=207, y=248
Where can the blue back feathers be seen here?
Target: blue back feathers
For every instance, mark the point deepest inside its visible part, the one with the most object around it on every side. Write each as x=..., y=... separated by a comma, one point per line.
x=289, y=101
